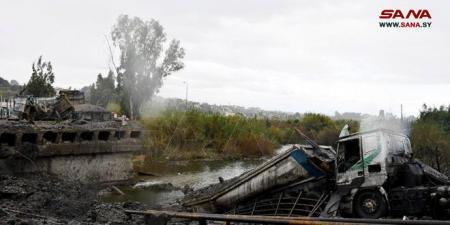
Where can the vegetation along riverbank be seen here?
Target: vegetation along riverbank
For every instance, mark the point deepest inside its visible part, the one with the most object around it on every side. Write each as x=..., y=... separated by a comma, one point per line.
x=188, y=135
x=183, y=135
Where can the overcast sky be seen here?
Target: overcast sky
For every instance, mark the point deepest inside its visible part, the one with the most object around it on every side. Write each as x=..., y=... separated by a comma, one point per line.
x=297, y=56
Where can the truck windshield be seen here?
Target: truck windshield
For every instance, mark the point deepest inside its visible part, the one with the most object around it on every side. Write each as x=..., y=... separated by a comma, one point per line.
x=348, y=154
x=398, y=145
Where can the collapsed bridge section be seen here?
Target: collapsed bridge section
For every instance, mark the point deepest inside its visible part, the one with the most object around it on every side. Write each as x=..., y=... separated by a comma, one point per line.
x=90, y=151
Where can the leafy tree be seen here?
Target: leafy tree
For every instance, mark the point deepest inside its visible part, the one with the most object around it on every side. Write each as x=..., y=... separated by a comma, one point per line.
x=4, y=83
x=314, y=122
x=439, y=115
x=143, y=61
x=9, y=89
x=318, y=127
x=104, y=90
x=430, y=137
x=14, y=83
x=327, y=136
x=41, y=81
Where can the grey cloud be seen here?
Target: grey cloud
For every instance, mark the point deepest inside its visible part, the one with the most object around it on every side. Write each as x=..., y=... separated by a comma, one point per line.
x=273, y=54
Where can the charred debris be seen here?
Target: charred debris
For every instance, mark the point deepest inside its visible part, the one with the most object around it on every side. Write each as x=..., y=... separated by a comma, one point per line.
x=57, y=154
x=370, y=175
x=64, y=136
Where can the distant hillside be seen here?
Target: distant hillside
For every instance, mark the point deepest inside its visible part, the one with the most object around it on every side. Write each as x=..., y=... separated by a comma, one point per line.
x=159, y=104
x=3, y=82
x=9, y=89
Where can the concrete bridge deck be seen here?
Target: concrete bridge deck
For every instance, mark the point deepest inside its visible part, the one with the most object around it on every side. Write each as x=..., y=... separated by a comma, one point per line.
x=88, y=151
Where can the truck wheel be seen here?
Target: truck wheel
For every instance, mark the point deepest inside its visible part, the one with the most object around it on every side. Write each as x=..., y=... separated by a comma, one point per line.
x=370, y=204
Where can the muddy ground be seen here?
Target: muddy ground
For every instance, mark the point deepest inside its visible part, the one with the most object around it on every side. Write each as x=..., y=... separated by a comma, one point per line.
x=38, y=199
x=43, y=199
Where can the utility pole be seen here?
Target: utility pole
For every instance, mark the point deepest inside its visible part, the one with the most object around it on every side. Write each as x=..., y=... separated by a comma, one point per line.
x=187, y=88
x=401, y=112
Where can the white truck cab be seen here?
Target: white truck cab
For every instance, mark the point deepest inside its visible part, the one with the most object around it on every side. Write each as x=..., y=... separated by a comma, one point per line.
x=364, y=158
x=364, y=162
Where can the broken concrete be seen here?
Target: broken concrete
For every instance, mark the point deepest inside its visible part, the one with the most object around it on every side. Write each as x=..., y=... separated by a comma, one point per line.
x=98, y=151
x=65, y=137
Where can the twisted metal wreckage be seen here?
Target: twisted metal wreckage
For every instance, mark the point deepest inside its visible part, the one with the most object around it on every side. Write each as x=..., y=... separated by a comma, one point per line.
x=372, y=175
x=62, y=135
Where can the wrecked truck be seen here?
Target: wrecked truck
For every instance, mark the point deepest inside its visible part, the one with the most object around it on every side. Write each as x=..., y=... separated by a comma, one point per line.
x=370, y=175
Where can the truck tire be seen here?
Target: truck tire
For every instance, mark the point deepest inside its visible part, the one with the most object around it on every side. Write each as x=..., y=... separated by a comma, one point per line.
x=370, y=204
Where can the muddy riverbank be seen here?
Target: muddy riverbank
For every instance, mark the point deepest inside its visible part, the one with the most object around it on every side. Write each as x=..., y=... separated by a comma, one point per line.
x=162, y=184
x=172, y=180
x=42, y=199
x=38, y=199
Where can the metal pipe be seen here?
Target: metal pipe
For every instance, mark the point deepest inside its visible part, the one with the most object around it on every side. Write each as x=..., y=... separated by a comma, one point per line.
x=187, y=87
x=283, y=220
x=233, y=218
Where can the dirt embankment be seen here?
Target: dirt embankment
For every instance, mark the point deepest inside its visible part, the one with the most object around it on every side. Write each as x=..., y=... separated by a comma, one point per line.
x=45, y=200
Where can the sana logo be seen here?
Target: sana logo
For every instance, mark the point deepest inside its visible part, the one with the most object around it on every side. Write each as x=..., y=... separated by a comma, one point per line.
x=399, y=14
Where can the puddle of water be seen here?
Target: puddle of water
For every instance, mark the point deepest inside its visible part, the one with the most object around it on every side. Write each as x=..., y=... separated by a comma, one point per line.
x=148, y=196
x=195, y=174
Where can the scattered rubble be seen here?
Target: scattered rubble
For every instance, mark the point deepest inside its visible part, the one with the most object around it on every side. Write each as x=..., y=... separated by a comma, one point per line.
x=63, y=136
x=42, y=199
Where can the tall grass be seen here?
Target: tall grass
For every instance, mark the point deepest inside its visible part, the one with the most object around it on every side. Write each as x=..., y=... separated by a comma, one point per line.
x=194, y=134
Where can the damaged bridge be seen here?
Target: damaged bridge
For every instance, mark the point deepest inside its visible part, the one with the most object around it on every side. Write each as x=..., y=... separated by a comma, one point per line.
x=88, y=145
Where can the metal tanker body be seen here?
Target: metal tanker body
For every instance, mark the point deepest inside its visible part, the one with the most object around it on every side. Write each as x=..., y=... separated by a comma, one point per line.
x=299, y=164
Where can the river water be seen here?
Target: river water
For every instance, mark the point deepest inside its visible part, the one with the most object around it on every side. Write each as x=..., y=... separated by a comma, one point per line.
x=155, y=190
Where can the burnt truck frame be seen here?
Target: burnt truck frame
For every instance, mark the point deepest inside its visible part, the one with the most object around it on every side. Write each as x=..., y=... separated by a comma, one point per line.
x=371, y=175
x=376, y=176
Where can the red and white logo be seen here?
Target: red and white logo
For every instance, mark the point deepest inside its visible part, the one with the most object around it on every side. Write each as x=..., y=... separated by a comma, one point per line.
x=412, y=18
x=410, y=14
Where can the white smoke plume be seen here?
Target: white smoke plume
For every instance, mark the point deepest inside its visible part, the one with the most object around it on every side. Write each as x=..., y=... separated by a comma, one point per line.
x=385, y=121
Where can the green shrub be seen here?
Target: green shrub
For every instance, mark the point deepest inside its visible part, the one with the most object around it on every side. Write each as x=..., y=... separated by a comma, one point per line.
x=195, y=134
x=198, y=134
x=430, y=137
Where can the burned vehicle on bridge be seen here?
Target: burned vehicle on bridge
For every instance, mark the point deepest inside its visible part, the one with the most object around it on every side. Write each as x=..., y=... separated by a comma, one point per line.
x=370, y=175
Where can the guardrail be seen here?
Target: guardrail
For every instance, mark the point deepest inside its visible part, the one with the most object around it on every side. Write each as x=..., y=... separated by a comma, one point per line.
x=156, y=217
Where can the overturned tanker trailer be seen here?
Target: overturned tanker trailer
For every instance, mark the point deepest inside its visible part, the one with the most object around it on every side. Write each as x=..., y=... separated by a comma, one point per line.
x=370, y=175
x=294, y=183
